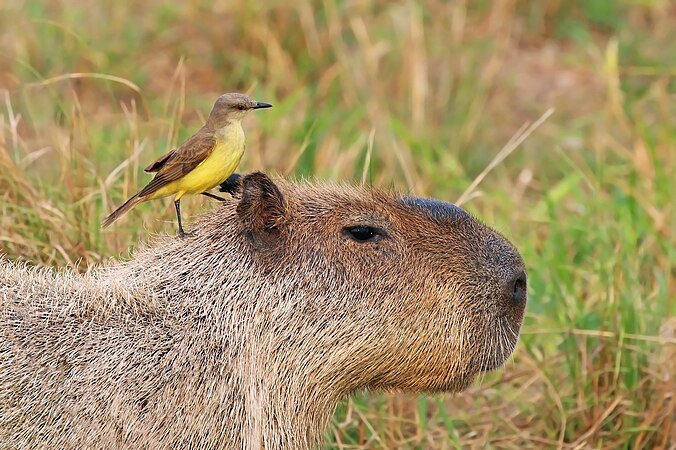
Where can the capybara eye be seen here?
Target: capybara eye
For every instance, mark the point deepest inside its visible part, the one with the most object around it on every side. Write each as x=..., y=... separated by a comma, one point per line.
x=364, y=233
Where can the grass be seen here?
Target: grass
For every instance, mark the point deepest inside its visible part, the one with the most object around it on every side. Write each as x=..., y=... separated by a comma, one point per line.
x=416, y=96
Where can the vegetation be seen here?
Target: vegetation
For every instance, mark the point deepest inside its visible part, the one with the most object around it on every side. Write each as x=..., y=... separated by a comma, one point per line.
x=418, y=96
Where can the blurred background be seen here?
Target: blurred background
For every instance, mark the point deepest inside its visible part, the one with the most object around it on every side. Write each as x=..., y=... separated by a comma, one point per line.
x=416, y=96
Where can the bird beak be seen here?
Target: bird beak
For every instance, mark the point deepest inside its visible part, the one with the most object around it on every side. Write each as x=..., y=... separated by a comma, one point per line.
x=260, y=105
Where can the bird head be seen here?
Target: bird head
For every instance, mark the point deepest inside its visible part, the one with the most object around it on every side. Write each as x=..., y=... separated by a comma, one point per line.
x=232, y=107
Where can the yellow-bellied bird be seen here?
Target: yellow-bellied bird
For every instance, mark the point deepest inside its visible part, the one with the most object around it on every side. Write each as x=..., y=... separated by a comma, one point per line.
x=202, y=162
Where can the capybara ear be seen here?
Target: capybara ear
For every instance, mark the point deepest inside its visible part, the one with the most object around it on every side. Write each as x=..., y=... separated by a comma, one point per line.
x=233, y=185
x=262, y=205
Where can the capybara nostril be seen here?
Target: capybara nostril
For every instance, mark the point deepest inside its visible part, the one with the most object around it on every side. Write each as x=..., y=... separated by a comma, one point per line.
x=517, y=289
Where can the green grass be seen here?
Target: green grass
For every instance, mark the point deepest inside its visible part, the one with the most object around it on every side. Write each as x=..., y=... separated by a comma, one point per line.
x=416, y=96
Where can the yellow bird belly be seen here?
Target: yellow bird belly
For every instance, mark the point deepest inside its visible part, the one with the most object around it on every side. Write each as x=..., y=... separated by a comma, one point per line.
x=215, y=169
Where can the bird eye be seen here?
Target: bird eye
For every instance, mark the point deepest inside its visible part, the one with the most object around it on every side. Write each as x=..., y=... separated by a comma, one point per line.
x=364, y=233
x=241, y=107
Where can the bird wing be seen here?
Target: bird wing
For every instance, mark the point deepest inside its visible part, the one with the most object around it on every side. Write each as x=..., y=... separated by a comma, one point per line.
x=181, y=161
x=159, y=162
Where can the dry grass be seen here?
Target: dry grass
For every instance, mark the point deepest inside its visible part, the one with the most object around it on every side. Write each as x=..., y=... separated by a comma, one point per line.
x=419, y=96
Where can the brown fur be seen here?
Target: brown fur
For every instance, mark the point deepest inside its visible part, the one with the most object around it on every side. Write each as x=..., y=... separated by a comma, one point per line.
x=248, y=334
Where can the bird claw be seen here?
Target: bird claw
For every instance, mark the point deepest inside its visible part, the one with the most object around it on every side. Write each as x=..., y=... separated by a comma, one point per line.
x=186, y=234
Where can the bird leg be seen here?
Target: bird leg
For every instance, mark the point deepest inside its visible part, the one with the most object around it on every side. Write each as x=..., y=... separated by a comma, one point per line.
x=215, y=197
x=181, y=232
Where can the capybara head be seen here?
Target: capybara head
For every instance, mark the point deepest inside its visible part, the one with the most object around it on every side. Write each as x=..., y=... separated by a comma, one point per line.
x=431, y=296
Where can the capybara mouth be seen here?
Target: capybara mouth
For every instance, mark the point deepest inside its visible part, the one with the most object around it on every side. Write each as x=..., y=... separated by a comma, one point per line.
x=493, y=362
x=504, y=335
x=489, y=366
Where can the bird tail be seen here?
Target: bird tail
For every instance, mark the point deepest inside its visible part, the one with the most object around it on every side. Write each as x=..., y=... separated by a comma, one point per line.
x=122, y=210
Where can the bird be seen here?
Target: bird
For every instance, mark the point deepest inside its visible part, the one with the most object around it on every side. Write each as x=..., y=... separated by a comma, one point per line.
x=202, y=162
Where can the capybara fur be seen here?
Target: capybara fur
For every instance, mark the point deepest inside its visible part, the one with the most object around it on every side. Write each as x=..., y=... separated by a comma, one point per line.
x=290, y=297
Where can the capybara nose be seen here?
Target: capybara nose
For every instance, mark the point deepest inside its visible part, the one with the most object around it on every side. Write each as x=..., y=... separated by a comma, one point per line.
x=516, y=289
